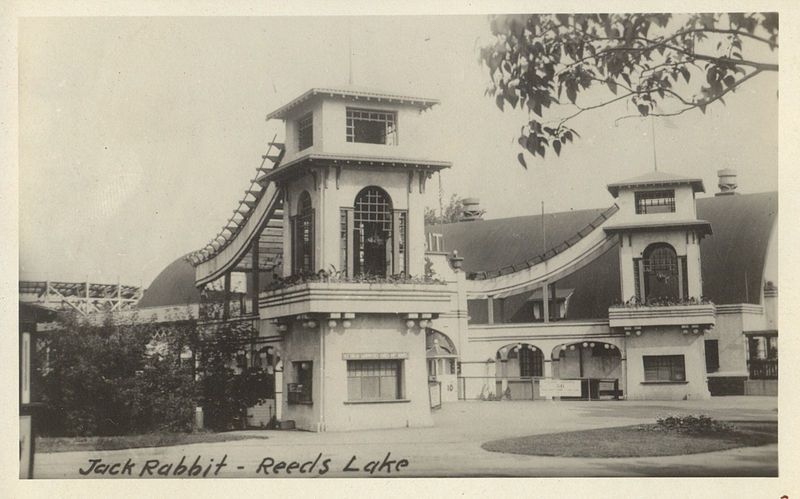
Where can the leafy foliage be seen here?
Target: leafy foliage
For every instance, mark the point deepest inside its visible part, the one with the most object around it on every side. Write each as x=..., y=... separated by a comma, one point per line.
x=100, y=380
x=229, y=384
x=700, y=424
x=451, y=213
x=680, y=62
x=138, y=377
x=337, y=276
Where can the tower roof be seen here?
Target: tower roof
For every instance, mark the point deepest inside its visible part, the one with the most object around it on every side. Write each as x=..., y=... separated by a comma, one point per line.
x=656, y=179
x=355, y=94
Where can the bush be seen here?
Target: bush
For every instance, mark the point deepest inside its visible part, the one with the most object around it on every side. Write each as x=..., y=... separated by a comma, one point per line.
x=104, y=381
x=226, y=394
x=700, y=424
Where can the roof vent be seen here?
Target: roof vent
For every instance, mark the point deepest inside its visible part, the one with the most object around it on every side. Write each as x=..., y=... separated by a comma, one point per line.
x=472, y=210
x=727, y=182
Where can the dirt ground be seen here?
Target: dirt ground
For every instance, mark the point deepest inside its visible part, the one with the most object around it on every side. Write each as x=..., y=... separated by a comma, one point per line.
x=452, y=447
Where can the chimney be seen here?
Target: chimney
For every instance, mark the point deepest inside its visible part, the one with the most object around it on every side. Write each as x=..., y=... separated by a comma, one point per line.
x=727, y=182
x=472, y=210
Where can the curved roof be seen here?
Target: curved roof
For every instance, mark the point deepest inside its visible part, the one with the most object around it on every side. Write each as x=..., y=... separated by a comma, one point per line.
x=173, y=286
x=733, y=258
x=489, y=246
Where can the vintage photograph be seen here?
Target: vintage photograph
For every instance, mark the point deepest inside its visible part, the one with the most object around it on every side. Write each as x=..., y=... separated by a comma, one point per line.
x=512, y=245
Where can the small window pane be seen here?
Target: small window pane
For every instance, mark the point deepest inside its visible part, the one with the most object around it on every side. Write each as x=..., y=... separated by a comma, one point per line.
x=305, y=132
x=371, y=127
x=655, y=202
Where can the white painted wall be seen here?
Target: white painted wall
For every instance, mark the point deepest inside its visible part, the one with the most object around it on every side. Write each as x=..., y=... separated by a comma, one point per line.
x=666, y=341
x=330, y=120
x=369, y=334
x=684, y=206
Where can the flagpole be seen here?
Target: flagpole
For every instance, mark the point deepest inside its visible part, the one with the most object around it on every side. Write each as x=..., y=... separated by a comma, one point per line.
x=653, y=134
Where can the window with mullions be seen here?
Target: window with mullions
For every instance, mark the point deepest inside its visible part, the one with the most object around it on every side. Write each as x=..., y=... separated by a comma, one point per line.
x=660, y=269
x=371, y=127
x=373, y=231
x=374, y=380
x=655, y=202
x=304, y=236
x=305, y=132
x=664, y=368
x=530, y=363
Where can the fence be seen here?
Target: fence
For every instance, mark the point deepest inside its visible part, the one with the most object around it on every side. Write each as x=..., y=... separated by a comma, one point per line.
x=490, y=388
x=763, y=368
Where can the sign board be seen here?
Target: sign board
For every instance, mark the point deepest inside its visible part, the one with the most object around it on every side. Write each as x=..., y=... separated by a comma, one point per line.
x=559, y=388
x=25, y=369
x=371, y=356
x=25, y=447
x=435, y=394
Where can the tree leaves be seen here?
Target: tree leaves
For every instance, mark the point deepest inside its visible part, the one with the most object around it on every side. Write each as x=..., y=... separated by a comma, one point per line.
x=535, y=59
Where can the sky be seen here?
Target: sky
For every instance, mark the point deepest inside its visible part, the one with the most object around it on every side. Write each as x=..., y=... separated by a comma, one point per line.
x=138, y=136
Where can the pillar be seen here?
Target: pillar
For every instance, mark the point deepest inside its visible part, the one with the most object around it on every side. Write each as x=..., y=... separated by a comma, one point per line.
x=504, y=380
x=226, y=306
x=546, y=302
x=623, y=381
x=548, y=368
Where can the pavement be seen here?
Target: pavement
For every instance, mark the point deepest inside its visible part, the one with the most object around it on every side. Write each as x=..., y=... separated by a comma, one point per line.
x=452, y=447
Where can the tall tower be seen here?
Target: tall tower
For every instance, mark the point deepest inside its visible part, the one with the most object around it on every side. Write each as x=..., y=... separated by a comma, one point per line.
x=665, y=318
x=355, y=168
x=353, y=178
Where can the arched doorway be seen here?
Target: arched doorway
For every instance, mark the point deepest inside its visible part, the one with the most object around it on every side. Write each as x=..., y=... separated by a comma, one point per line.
x=372, y=232
x=519, y=367
x=442, y=360
x=597, y=363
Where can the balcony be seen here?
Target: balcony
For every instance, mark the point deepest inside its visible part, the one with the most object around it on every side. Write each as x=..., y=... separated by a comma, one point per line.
x=355, y=297
x=690, y=316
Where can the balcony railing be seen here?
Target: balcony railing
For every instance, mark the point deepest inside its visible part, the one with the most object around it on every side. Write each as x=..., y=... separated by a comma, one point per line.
x=355, y=297
x=690, y=314
x=763, y=368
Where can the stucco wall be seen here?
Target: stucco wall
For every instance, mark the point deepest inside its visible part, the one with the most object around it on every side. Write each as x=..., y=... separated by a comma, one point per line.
x=325, y=346
x=301, y=345
x=684, y=205
x=330, y=130
x=376, y=334
x=666, y=341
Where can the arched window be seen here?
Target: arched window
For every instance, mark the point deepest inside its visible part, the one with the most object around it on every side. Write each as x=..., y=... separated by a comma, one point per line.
x=662, y=277
x=303, y=227
x=530, y=362
x=373, y=232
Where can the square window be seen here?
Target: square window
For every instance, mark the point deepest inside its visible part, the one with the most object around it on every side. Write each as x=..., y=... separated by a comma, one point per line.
x=374, y=380
x=655, y=202
x=664, y=368
x=371, y=127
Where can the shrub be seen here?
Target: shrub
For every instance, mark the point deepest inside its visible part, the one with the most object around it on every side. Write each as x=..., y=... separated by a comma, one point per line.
x=101, y=380
x=700, y=424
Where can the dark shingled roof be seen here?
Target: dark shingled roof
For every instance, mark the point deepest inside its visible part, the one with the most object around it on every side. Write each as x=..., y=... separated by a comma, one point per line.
x=173, y=286
x=733, y=257
x=738, y=248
